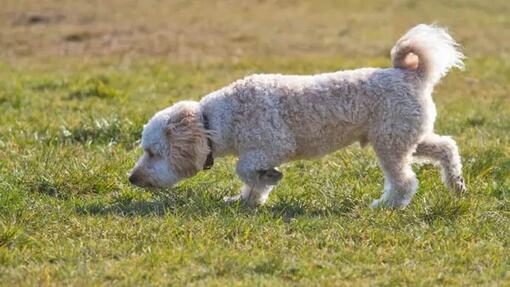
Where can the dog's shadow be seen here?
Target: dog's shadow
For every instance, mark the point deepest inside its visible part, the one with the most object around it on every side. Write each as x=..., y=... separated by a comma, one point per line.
x=159, y=204
x=203, y=204
x=286, y=209
x=127, y=209
x=289, y=209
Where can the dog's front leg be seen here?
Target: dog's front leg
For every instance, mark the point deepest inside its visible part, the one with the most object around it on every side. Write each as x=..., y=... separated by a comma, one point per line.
x=259, y=178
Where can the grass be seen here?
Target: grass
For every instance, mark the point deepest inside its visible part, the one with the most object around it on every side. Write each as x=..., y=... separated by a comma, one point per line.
x=70, y=125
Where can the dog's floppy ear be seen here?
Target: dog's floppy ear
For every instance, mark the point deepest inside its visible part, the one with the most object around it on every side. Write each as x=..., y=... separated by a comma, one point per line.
x=188, y=141
x=183, y=120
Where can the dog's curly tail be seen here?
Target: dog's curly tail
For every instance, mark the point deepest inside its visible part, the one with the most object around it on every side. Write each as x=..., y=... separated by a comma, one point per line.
x=429, y=50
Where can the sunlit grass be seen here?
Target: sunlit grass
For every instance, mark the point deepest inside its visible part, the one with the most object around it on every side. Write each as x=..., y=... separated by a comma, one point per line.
x=68, y=214
x=69, y=132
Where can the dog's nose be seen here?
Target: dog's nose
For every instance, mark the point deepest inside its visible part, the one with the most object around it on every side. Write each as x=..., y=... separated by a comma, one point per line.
x=133, y=179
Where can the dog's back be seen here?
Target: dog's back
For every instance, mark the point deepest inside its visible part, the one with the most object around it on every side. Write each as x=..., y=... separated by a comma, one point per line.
x=320, y=113
x=317, y=114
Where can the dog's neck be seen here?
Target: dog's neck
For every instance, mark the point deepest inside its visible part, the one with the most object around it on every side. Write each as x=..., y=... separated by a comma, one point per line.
x=209, y=162
x=216, y=107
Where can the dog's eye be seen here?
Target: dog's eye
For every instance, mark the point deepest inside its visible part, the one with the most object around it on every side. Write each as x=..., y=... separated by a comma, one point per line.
x=150, y=153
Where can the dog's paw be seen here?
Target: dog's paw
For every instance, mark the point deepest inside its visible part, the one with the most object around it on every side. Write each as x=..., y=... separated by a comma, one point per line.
x=232, y=199
x=377, y=203
x=458, y=185
x=270, y=176
x=393, y=204
x=247, y=202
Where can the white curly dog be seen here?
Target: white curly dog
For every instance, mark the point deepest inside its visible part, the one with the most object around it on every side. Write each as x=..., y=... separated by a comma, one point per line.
x=271, y=119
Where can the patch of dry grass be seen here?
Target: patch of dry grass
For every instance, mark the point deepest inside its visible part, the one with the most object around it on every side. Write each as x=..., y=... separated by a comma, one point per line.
x=196, y=30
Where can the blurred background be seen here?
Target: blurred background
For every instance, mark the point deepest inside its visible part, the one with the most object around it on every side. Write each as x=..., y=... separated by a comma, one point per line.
x=200, y=30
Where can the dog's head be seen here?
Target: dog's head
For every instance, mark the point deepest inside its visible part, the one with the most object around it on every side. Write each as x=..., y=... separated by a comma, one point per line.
x=175, y=147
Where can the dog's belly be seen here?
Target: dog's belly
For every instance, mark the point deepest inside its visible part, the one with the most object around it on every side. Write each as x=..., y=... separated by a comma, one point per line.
x=326, y=139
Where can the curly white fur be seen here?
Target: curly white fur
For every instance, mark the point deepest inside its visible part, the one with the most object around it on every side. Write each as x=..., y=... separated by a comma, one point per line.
x=270, y=119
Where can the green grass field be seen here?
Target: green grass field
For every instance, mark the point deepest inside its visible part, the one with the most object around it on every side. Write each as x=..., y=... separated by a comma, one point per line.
x=78, y=79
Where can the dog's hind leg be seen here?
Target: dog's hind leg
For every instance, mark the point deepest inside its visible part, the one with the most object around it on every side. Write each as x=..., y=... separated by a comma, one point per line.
x=400, y=183
x=443, y=150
